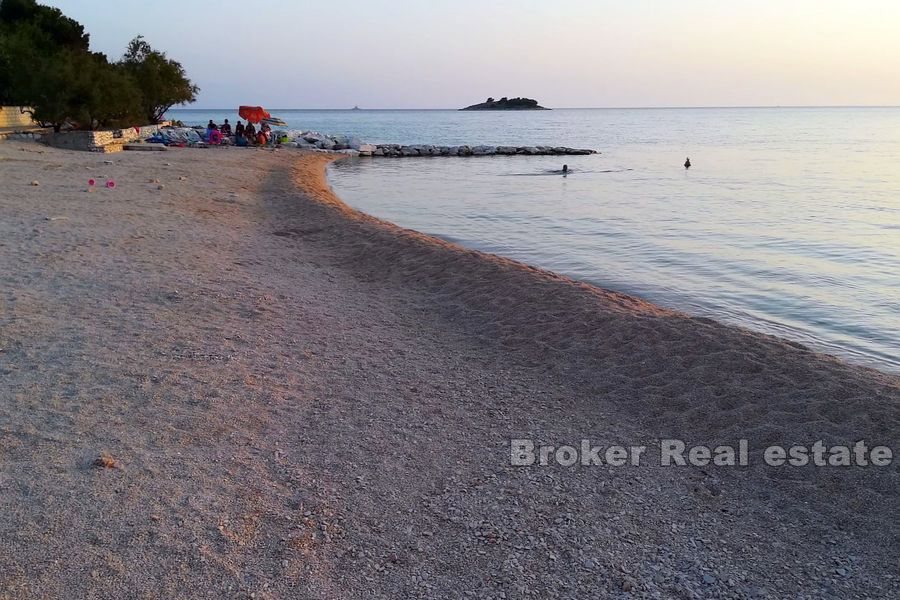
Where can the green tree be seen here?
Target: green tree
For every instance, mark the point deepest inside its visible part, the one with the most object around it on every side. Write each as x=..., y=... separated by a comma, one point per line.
x=162, y=81
x=57, y=28
x=51, y=91
x=30, y=34
x=45, y=63
x=104, y=94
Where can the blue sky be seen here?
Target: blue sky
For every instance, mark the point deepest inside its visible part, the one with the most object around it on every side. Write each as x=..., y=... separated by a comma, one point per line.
x=565, y=53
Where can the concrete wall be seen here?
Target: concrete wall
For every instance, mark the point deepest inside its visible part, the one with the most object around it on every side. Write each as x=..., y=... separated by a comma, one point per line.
x=11, y=117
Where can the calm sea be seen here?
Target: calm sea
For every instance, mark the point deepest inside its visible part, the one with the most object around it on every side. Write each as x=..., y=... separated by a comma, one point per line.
x=787, y=223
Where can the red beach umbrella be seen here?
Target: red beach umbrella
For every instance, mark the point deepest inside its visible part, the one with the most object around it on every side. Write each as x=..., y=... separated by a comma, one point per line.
x=253, y=114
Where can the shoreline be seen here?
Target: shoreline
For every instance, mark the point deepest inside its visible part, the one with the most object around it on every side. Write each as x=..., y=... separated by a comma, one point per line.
x=305, y=399
x=308, y=181
x=734, y=285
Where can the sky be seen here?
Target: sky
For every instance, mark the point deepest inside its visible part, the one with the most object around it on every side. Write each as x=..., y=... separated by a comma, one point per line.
x=564, y=53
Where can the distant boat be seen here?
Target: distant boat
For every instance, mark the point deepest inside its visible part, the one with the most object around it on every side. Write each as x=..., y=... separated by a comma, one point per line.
x=356, y=108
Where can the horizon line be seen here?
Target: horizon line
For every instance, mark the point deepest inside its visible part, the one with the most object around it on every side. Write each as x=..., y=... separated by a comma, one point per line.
x=761, y=106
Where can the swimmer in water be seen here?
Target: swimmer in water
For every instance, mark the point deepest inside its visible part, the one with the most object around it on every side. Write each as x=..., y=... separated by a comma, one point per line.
x=565, y=170
x=687, y=163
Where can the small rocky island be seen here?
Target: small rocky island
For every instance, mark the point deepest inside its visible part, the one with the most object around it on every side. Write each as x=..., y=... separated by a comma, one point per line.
x=507, y=104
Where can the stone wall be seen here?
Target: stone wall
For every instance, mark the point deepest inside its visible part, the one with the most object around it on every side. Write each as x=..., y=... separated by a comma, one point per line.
x=18, y=126
x=30, y=135
x=12, y=117
x=108, y=140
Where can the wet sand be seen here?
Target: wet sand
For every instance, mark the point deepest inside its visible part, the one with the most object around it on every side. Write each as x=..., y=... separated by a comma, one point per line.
x=301, y=401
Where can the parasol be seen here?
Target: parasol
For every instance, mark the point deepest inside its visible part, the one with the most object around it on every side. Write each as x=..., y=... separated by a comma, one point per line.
x=275, y=121
x=253, y=114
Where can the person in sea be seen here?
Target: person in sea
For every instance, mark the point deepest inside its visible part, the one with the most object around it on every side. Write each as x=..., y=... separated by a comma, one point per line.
x=565, y=169
x=225, y=128
x=687, y=163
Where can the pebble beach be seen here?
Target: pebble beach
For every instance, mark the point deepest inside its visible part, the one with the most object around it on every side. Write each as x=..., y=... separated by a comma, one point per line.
x=219, y=380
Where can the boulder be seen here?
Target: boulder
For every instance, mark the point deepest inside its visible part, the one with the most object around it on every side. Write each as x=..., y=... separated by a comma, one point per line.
x=506, y=149
x=484, y=150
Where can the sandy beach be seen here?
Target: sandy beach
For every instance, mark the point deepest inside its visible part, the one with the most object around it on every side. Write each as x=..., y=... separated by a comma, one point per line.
x=293, y=399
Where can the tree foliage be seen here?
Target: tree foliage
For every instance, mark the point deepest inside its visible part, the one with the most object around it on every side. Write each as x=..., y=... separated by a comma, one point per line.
x=46, y=63
x=54, y=27
x=163, y=81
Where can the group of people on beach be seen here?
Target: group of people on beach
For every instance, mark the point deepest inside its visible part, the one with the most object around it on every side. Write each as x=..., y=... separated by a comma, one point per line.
x=243, y=135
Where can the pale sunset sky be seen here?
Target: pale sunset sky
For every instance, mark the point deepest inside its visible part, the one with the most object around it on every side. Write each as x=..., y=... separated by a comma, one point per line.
x=565, y=53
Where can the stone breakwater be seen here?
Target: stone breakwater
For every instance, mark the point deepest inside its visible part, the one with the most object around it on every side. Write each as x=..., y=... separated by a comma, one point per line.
x=395, y=150
x=316, y=141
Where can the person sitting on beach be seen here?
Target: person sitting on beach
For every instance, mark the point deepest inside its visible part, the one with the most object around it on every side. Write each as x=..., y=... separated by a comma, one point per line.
x=225, y=128
x=262, y=138
x=210, y=127
x=239, y=129
x=250, y=132
x=239, y=139
x=266, y=130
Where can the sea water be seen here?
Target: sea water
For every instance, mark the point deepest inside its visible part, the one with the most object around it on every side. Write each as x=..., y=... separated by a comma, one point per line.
x=788, y=222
